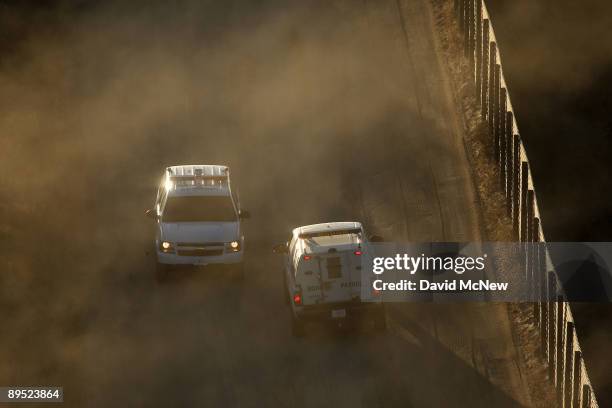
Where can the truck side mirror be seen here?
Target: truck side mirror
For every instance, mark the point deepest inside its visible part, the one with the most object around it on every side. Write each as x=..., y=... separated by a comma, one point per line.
x=280, y=249
x=376, y=238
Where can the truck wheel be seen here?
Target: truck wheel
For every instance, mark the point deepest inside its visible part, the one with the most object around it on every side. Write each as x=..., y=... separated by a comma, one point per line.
x=297, y=327
x=380, y=321
x=161, y=273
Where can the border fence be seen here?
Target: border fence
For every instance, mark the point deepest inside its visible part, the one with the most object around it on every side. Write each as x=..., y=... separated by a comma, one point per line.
x=559, y=342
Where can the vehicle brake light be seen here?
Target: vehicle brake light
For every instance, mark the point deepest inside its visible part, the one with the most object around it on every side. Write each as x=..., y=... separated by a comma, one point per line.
x=297, y=299
x=358, y=252
x=307, y=257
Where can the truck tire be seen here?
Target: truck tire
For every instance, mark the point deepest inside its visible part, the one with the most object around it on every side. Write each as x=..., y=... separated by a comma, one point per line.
x=297, y=327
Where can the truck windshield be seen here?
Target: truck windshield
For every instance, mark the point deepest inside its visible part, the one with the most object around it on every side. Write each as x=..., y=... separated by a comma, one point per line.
x=199, y=209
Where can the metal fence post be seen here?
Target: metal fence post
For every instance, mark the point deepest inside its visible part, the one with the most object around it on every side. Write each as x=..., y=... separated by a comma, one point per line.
x=586, y=396
x=491, y=109
x=543, y=313
x=524, y=187
x=478, y=46
x=537, y=288
x=486, y=69
x=516, y=198
x=529, y=233
x=569, y=366
x=552, y=291
x=500, y=127
x=535, y=225
x=507, y=161
x=577, y=378
x=501, y=138
x=543, y=285
x=495, y=113
x=559, y=346
x=472, y=36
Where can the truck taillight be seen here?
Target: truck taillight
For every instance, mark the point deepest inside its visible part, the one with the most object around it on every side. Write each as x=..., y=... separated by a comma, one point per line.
x=358, y=252
x=297, y=299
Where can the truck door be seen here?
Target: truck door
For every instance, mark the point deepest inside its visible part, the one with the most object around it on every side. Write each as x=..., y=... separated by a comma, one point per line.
x=308, y=279
x=336, y=277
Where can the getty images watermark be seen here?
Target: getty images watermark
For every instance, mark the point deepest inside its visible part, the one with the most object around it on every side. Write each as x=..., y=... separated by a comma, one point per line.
x=490, y=271
x=422, y=263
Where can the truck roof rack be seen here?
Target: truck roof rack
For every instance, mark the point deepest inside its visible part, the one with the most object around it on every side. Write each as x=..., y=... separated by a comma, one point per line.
x=202, y=175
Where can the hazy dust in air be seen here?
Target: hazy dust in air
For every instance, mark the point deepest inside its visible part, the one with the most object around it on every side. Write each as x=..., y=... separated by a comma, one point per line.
x=96, y=97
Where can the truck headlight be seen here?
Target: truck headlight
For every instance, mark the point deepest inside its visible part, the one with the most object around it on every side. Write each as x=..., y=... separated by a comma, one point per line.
x=234, y=246
x=166, y=247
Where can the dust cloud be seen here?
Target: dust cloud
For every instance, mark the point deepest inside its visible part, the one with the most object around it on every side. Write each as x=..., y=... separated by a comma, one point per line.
x=96, y=98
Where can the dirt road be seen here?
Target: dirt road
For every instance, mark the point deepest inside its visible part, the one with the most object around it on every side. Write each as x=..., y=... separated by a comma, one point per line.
x=324, y=110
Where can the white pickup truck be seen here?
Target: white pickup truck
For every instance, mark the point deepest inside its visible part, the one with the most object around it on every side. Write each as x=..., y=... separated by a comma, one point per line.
x=197, y=219
x=322, y=275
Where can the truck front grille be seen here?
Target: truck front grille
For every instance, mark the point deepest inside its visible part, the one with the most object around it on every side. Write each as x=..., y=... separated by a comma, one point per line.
x=200, y=252
x=200, y=245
